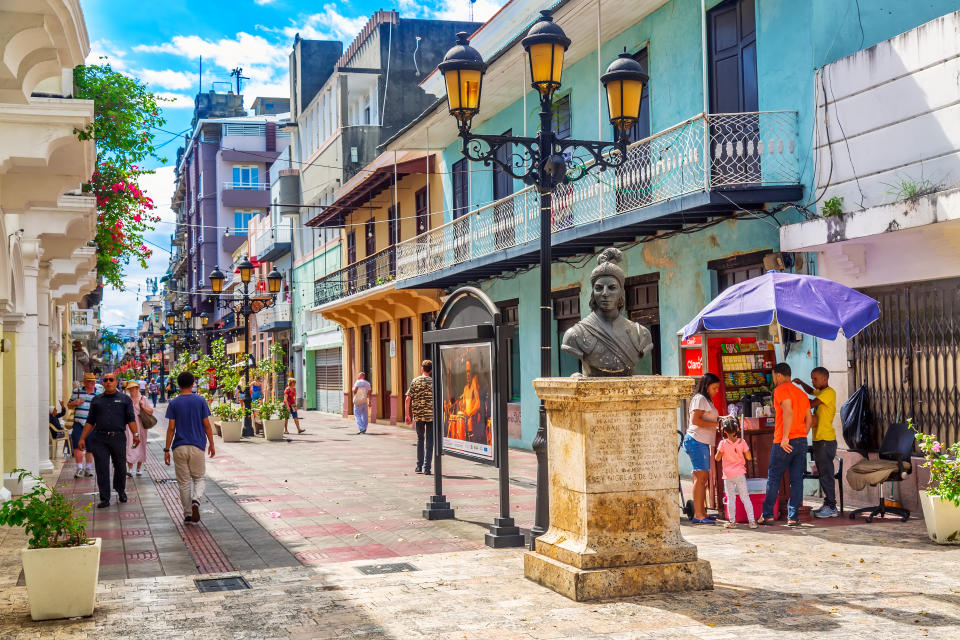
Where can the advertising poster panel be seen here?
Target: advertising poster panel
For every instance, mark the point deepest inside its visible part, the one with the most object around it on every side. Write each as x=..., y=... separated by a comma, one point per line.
x=467, y=393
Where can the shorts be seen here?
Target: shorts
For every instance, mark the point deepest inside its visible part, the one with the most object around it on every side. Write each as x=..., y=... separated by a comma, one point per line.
x=293, y=414
x=699, y=453
x=75, y=434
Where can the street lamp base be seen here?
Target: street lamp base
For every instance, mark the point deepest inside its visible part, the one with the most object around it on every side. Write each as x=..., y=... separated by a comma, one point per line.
x=438, y=509
x=504, y=534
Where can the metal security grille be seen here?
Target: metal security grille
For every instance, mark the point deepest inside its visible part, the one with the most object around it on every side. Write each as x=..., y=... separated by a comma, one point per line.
x=231, y=583
x=910, y=358
x=329, y=376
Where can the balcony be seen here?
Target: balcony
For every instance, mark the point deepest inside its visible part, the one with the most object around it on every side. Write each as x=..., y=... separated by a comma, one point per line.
x=378, y=269
x=245, y=194
x=706, y=167
x=83, y=323
x=273, y=243
x=276, y=318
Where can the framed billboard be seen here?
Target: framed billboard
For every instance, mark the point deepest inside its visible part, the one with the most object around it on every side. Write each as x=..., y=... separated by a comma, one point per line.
x=468, y=421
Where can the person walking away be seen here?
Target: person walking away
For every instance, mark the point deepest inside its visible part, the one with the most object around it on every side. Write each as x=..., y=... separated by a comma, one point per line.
x=80, y=403
x=189, y=432
x=111, y=414
x=701, y=435
x=54, y=419
x=154, y=389
x=137, y=454
x=789, y=452
x=361, y=402
x=256, y=390
x=733, y=453
x=290, y=401
x=171, y=389
x=419, y=407
x=824, y=404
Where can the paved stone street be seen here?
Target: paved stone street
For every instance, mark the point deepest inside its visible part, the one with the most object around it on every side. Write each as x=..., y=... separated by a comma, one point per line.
x=299, y=519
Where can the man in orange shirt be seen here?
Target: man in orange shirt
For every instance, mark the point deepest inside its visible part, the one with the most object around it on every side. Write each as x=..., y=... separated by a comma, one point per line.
x=789, y=452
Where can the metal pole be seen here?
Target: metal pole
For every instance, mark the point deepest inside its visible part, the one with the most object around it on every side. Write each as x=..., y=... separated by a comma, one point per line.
x=162, y=349
x=546, y=144
x=247, y=420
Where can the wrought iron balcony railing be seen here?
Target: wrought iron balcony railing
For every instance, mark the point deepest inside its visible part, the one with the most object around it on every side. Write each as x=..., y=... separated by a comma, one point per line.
x=704, y=153
x=378, y=269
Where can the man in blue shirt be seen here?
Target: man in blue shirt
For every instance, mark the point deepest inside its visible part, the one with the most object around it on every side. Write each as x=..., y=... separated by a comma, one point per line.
x=189, y=432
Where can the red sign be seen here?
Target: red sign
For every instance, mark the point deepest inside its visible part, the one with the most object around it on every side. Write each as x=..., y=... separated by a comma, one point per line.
x=692, y=341
x=693, y=362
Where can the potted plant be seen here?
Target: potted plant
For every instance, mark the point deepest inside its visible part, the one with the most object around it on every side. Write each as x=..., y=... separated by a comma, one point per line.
x=61, y=565
x=269, y=411
x=941, y=499
x=231, y=421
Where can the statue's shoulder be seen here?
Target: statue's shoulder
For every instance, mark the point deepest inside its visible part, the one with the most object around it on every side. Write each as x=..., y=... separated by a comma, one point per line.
x=578, y=340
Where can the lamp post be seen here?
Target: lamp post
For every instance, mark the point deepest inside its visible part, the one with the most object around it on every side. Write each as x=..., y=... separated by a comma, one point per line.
x=246, y=306
x=543, y=165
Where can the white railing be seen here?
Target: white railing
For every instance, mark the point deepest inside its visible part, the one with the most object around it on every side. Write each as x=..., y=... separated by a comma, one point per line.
x=82, y=321
x=281, y=312
x=247, y=186
x=744, y=149
x=280, y=234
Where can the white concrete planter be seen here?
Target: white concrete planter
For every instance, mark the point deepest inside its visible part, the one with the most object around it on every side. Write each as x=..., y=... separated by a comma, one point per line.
x=942, y=518
x=62, y=582
x=273, y=429
x=231, y=430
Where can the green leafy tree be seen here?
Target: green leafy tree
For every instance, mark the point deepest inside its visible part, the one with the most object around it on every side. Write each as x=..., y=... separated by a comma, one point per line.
x=125, y=113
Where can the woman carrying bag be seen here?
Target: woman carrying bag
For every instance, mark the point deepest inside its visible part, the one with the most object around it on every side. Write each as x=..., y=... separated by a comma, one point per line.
x=143, y=410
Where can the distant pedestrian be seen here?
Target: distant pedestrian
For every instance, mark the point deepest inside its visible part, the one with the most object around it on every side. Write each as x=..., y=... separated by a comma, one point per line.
x=171, y=389
x=137, y=454
x=290, y=402
x=361, y=401
x=189, y=432
x=419, y=407
x=256, y=390
x=111, y=414
x=80, y=403
x=154, y=390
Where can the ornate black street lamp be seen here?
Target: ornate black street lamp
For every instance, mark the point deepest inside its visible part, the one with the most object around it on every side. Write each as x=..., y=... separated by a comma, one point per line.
x=542, y=163
x=246, y=306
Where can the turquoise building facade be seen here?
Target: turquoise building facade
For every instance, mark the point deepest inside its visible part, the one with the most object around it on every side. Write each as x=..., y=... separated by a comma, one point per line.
x=686, y=267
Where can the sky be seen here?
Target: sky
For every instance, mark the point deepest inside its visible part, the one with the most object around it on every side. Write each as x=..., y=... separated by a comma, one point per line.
x=162, y=45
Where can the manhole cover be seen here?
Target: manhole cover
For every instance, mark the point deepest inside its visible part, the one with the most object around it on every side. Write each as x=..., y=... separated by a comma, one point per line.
x=232, y=583
x=396, y=567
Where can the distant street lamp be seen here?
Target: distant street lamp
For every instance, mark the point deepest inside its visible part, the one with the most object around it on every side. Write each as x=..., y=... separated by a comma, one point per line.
x=246, y=306
x=544, y=165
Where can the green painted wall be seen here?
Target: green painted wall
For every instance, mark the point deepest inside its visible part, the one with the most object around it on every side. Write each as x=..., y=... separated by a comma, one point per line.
x=304, y=275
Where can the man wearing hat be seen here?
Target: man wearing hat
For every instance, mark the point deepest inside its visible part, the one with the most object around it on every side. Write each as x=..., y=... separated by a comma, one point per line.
x=80, y=403
x=111, y=414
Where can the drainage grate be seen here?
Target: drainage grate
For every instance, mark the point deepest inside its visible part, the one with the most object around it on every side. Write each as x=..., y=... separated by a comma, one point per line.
x=397, y=567
x=232, y=583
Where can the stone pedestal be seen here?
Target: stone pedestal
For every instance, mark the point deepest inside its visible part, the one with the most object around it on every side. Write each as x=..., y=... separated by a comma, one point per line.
x=614, y=508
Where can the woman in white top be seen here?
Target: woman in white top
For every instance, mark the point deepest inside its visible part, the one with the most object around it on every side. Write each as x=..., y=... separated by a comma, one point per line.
x=701, y=435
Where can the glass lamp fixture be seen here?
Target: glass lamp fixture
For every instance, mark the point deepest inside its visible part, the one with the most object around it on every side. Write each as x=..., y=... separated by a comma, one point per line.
x=545, y=44
x=274, y=279
x=187, y=312
x=204, y=320
x=246, y=270
x=624, y=81
x=216, y=280
x=463, y=68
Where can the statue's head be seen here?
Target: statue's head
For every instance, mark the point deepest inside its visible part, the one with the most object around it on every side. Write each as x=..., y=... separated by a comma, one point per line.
x=606, y=282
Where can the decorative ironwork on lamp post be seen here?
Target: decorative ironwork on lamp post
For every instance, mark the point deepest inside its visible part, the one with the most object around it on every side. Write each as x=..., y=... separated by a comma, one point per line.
x=246, y=305
x=541, y=162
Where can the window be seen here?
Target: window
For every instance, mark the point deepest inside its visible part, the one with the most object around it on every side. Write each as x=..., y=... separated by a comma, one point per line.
x=461, y=188
x=392, y=226
x=561, y=116
x=246, y=177
x=503, y=181
x=641, y=130
x=734, y=270
x=240, y=221
x=351, y=247
x=423, y=216
x=366, y=115
x=566, y=313
x=509, y=315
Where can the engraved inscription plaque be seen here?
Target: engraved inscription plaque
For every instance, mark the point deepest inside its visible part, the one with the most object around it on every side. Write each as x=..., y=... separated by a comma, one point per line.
x=630, y=451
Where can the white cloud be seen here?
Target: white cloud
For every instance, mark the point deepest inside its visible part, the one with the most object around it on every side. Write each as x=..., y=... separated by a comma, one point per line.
x=327, y=25
x=264, y=2
x=105, y=49
x=123, y=307
x=175, y=100
x=243, y=51
x=167, y=79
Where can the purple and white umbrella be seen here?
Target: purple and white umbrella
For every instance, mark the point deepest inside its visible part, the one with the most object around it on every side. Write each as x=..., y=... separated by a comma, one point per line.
x=806, y=304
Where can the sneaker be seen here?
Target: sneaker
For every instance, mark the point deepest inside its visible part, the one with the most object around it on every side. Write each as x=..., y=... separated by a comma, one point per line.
x=418, y=470
x=187, y=519
x=78, y=474
x=426, y=472
x=196, y=511
x=87, y=473
x=729, y=525
x=139, y=473
x=129, y=474
x=826, y=512
x=753, y=524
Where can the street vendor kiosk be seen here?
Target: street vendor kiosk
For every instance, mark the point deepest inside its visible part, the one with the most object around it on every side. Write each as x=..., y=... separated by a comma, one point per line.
x=743, y=359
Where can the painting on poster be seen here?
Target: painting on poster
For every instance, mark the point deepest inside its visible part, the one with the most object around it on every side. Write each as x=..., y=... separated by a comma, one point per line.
x=467, y=396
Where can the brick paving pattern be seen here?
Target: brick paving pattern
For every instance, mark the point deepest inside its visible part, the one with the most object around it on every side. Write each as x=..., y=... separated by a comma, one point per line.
x=296, y=519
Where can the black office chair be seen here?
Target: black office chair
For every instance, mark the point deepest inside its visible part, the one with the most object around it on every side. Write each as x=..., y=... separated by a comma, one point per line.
x=838, y=475
x=897, y=446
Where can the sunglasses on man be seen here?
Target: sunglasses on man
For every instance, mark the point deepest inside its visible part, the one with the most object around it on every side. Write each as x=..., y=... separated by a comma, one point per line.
x=109, y=379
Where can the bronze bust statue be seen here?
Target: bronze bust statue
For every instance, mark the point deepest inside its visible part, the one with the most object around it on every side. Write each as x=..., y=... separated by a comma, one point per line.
x=607, y=343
